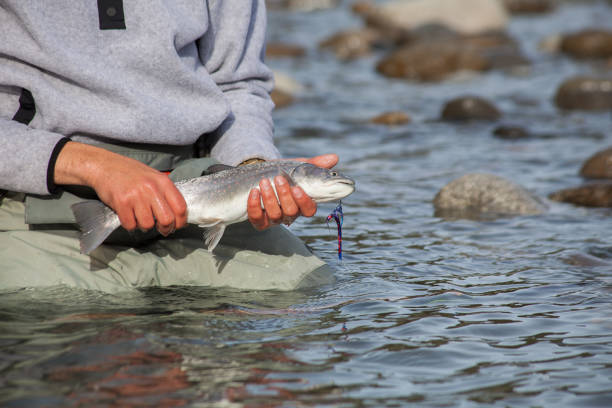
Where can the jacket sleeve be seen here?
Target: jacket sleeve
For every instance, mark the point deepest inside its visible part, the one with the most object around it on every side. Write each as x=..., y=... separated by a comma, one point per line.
x=28, y=157
x=233, y=56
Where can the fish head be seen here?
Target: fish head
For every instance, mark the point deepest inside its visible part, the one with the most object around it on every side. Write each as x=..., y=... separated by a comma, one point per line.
x=321, y=184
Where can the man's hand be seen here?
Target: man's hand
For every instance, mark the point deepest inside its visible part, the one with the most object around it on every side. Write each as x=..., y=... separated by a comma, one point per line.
x=141, y=196
x=292, y=201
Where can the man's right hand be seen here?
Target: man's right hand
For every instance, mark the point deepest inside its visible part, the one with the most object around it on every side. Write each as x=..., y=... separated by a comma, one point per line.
x=141, y=196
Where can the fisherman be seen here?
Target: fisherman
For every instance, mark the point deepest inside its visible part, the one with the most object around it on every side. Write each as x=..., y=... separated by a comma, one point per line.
x=103, y=100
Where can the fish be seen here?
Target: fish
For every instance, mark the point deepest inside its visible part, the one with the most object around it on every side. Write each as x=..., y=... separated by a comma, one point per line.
x=218, y=199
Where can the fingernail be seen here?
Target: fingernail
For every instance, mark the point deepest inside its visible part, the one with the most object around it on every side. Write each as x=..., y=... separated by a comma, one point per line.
x=265, y=184
x=280, y=181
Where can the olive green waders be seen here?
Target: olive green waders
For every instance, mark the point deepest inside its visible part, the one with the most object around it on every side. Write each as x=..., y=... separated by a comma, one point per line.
x=39, y=246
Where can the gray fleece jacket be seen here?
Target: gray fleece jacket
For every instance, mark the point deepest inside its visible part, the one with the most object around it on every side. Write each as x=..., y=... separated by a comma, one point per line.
x=179, y=69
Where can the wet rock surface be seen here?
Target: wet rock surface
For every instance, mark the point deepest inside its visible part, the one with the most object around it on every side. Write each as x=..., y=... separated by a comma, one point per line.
x=599, y=165
x=280, y=50
x=352, y=43
x=485, y=195
x=465, y=16
x=467, y=108
x=281, y=98
x=589, y=43
x=597, y=194
x=528, y=6
x=585, y=93
x=432, y=61
x=391, y=118
x=510, y=132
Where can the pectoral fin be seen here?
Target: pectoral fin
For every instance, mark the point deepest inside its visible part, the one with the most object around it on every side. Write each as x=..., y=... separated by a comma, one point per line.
x=96, y=223
x=213, y=235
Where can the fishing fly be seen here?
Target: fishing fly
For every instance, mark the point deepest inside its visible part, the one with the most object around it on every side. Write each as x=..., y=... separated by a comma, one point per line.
x=337, y=216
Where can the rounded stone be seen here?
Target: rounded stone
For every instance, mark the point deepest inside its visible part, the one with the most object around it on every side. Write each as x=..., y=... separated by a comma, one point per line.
x=528, y=6
x=280, y=50
x=599, y=165
x=470, y=108
x=589, y=43
x=585, y=93
x=510, y=132
x=431, y=61
x=587, y=195
x=391, y=118
x=281, y=99
x=477, y=195
x=352, y=43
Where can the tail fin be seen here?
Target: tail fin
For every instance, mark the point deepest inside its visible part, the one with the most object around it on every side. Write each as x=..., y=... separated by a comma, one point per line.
x=96, y=222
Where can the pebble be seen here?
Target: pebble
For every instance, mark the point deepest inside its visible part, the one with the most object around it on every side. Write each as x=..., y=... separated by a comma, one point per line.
x=528, y=6
x=508, y=132
x=588, y=195
x=588, y=43
x=280, y=50
x=431, y=61
x=281, y=99
x=470, y=108
x=391, y=118
x=462, y=16
x=352, y=44
x=585, y=93
x=599, y=165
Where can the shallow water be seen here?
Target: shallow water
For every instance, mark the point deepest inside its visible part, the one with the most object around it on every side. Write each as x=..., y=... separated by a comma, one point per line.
x=425, y=311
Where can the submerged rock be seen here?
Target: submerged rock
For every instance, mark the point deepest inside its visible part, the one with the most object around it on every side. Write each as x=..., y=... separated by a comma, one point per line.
x=279, y=50
x=301, y=5
x=462, y=16
x=588, y=44
x=588, y=195
x=599, y=165
x=508, y=132
x=528, y=6
x=281, y=99
x=470, y=108
x=485, y=195
x=586, y=260
x=391, y=118
x=431, y=61
x=585, y=93
x=353, y=43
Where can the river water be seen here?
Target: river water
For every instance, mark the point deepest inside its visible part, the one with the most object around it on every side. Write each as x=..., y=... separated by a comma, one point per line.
x=513, y=312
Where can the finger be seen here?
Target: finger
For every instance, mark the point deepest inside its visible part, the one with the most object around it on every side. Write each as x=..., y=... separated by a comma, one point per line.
x=270, y=202
x=178, y=206
x=164, y=216
x=325, y=160
x=144, y=216
x=288, y=206
x=306, y=204
x=127, y=218
x=257, y=216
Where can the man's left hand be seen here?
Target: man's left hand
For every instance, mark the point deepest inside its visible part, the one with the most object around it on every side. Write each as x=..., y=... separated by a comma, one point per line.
x=292, y=201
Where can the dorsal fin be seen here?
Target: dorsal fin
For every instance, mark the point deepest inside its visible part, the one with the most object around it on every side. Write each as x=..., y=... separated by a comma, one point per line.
x=215, y=168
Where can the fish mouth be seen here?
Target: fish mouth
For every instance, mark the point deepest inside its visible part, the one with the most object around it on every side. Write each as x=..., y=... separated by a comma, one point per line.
x=347, y=181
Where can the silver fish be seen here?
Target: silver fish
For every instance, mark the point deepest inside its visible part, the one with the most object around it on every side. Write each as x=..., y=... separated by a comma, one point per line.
x=217, y=200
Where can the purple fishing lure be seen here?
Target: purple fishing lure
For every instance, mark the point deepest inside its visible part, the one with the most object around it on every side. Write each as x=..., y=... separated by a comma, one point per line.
x=338, y=216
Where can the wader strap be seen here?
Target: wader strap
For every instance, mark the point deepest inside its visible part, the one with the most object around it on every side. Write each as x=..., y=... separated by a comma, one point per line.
x=27, y=108
x=110, y=14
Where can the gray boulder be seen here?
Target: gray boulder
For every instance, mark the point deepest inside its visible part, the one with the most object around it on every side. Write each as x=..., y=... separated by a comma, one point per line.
x=477, y=196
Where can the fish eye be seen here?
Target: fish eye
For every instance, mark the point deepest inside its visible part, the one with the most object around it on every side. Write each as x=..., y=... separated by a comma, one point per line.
x=333, y=173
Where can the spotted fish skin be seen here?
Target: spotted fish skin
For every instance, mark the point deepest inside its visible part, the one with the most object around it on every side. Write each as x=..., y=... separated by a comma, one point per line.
x=217, y=200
